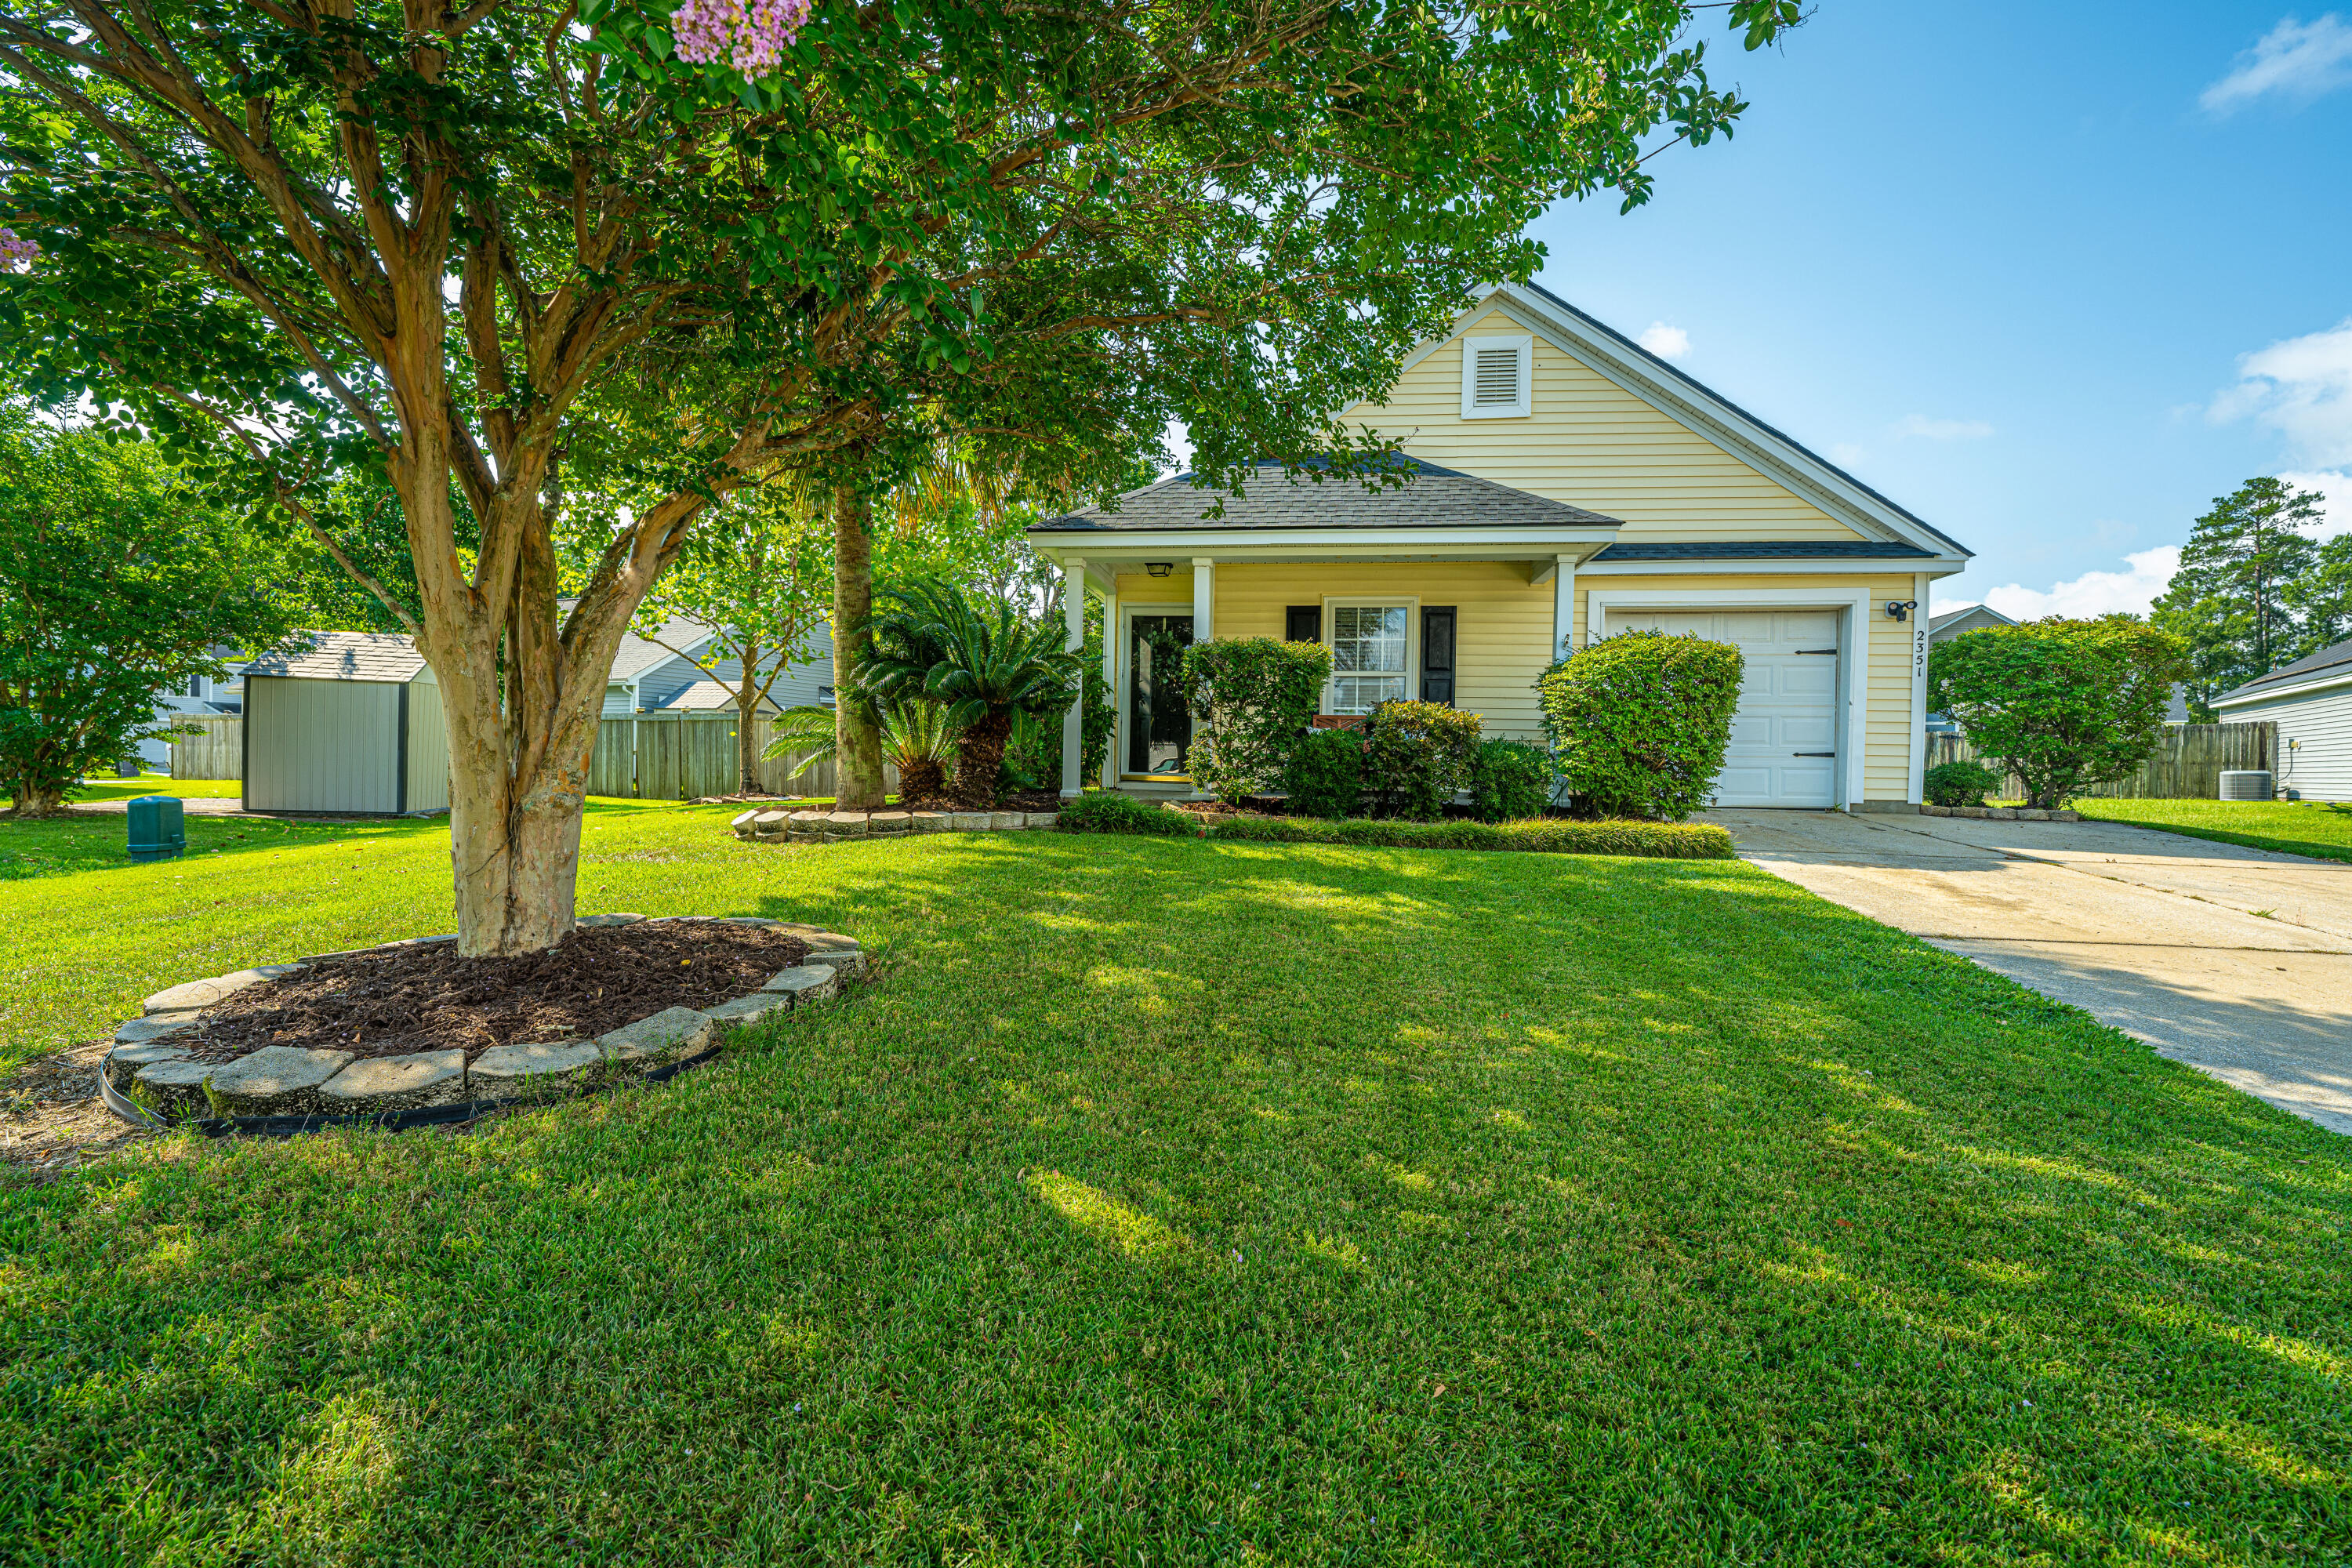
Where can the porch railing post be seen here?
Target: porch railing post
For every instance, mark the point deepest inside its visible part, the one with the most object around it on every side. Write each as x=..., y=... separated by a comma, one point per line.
x=1074, y=624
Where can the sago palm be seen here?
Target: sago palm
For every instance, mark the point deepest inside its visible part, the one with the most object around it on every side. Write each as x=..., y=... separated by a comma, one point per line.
x=916, y=738
x=981, y=662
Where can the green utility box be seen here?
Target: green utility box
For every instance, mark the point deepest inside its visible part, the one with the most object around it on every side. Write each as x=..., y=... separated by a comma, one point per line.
x=159, y=827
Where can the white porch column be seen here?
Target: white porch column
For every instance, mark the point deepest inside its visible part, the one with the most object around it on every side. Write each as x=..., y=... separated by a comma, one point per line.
x=1563, y=604
x=1204, y=598
x=1917, y=790
x=1112, y=640
x=1074, y=623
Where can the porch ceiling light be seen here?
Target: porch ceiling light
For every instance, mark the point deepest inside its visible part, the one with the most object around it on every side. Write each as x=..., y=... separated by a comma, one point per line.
x=1160, y=568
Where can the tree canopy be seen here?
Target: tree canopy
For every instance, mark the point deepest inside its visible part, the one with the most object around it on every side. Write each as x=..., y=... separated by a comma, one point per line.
x=2249, y=579
x=2064, y=703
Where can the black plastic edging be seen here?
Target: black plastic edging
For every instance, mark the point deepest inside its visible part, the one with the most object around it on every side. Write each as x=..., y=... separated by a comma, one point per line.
x=390, y=1121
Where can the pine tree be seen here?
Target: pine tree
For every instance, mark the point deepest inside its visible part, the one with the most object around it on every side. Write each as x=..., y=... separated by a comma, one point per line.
x=2229, y=600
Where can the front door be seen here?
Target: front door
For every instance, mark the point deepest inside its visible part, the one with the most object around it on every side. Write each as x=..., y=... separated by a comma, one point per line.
x=1158, y=725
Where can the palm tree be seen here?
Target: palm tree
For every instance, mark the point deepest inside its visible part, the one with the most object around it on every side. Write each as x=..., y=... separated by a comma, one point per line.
x=983, y=663
x=916, y=738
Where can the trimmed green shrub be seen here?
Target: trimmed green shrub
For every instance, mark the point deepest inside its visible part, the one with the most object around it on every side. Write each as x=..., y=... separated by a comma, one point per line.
x=1252, y=700
x=2065, y=704
x=1510, y=780
x=1960, y=783
x=1326, y=777
x=1109, y=811
x=1540, y=835
x=1417, y=757
x=1640, y=722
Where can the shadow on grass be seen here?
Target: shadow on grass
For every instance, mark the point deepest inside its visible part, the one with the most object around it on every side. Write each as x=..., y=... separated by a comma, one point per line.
x=1179, y=1199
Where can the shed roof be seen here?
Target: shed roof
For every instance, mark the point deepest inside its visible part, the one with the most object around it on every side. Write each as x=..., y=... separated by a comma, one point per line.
x=2311, y=667
x=1431, y=497
x=342, y=656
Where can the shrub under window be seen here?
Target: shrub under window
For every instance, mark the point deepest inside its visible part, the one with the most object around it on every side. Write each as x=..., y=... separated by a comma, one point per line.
x=1326, y=774
x=1510, y=781
x=1417, y=757
x=1640, y=722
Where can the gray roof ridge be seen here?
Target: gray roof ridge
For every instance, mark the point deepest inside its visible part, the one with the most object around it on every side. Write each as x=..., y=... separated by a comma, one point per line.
x=2335, y=655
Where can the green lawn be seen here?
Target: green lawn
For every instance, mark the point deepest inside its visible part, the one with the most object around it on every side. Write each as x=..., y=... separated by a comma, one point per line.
x=2296, y=827
x=158, y=783
x=1175, y=1202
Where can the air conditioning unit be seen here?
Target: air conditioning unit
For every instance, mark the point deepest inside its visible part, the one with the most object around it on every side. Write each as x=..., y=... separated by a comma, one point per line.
x=2246, y=784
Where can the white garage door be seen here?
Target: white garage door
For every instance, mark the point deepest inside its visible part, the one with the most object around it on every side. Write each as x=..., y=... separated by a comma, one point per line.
x=1783, y=747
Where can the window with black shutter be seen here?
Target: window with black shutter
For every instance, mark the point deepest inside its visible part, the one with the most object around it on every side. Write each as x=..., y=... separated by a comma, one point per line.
x=1437, y=654
x=1303, y=623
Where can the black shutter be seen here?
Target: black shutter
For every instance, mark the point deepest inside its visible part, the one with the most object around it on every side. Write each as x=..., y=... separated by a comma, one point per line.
x=1303, y=623
x=1438, y=654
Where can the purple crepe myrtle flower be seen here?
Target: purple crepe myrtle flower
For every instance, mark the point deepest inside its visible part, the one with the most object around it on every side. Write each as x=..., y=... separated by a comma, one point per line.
x=15, y=251
x=749, y=35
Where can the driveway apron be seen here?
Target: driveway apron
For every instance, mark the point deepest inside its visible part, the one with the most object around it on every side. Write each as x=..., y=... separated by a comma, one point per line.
x=2235, y=961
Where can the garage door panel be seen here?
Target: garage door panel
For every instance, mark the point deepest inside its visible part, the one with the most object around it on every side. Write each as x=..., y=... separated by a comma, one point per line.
x=1787, y=699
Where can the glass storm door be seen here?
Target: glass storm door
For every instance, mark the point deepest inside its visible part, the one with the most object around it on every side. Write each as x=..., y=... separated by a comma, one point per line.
x=1159, y=726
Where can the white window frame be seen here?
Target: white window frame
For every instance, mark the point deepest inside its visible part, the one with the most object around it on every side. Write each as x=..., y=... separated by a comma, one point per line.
x=1411, y=608
x=1521, y=409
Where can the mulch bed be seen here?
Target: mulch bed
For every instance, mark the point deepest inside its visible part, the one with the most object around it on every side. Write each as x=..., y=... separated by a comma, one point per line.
x=1027, y=800
x=429, y=999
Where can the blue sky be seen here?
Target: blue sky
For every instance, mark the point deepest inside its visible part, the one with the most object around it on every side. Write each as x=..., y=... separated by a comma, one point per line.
x=2050, y=276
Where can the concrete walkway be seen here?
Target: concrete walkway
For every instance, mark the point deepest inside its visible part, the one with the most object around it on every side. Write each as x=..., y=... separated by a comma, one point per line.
x=2236, y=960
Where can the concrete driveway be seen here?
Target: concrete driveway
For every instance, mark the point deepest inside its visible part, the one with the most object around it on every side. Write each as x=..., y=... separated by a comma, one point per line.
x=2238, y=962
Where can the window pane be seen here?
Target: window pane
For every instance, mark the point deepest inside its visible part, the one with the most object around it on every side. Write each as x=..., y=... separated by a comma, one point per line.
x=1370, y=638
x=1359, y=694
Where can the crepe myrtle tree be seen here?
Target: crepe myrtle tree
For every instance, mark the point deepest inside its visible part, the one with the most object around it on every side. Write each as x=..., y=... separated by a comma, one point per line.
x=445, y=242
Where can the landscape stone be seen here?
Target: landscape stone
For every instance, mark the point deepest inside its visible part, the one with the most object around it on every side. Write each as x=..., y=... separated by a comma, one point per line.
x=204, y=992
x=2002, y=814
x=808, y=821
x=806, y=983
x=608, y=920
x=1970, y=811
x=2032, y=814
x=398, y=1083
x=674, y=1033
x=2065, y=816
x=1042, y=819
x=747, y=1010
x=930, y=821
x=172, y=1089
x=1001, y=821
x=760, y=921
x=547, y=1070
x=841, y=822
x=155, y=1025
x=275, y=1080
x=123, y=1062
x=970, y=821
x=771, y=823
x=890, y=821
x=744, y=821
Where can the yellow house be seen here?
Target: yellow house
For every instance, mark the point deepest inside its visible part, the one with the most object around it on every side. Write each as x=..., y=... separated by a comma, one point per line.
x=1564, y=484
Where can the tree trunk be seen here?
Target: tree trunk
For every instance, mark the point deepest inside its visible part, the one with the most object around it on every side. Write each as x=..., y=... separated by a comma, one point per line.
x=747, y=707
x=857, y=740
x=980, y=755
x=38, y=800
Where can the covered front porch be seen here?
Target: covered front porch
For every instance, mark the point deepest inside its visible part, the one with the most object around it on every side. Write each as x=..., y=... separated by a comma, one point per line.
x=1447, y=589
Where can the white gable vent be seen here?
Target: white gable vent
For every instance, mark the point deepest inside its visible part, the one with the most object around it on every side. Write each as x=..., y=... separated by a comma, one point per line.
x=1496, y=377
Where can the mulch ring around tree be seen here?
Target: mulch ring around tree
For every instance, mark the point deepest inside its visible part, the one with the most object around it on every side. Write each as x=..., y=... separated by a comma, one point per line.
x=1025, y=800
x=427, y=998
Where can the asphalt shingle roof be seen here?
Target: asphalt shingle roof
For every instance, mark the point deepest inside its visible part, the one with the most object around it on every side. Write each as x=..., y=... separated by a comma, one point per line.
x=342, y=656
x=1764, y=550
x=1433, y=498
x=2326, y=658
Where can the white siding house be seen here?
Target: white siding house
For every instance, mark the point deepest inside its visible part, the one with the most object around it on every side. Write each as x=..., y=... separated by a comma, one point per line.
x=345, y=722
x=648, y=678
x=2310, y=700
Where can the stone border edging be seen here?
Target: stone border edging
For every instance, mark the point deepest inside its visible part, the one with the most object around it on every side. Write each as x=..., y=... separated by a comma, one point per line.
x=147, y=1079
x=815, y=826
x=2000, y=812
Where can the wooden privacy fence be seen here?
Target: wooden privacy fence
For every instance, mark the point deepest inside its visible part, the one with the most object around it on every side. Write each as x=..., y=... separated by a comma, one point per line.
x=215, y=752
x=653, y=756
x=2186, y=765
x=680, y=756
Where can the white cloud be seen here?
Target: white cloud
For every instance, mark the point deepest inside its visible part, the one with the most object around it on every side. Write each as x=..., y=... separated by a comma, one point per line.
x=1665, y=342
x=1929, y=429
x=2297, y=60
x=2336, y=487
x=2301, y=387
x=2094, y=593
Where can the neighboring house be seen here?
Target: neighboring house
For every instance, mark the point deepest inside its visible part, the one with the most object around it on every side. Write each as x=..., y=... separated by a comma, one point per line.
x=648, y=678
x=1943, y=628
x=2311, y=702
x=348, y=722
x=1567, y=485
x=202, y=698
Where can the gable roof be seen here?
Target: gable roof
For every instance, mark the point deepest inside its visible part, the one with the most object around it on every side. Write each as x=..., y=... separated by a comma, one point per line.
x=1706, y=413
x=706, y=696
x=2328, y=662
x=1981, y=612
x=637, y=654
x=342, y=656
x=1431, y=498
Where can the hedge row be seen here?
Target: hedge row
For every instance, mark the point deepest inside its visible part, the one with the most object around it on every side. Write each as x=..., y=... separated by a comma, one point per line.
x=1108, y=812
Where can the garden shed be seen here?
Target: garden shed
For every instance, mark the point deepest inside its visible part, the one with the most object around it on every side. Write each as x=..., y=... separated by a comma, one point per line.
x=347, y=722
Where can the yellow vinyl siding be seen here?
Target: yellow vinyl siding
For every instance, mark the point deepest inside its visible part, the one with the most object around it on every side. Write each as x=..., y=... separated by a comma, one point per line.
x=1890, y=728
x=1591, y=443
